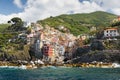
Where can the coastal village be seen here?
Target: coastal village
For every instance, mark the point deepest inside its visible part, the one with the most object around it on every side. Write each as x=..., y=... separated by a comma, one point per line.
x=59, y=39
x=51, y=46
x=54, y=46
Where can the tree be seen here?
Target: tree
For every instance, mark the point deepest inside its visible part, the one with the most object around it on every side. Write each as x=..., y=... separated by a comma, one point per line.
x=16, y=24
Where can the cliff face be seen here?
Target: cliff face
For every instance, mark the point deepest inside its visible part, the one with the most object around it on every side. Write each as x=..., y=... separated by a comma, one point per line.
x=16, y=54
x=100, y=56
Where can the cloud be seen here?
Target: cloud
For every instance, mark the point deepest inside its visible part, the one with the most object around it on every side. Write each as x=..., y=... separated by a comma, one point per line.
x=18, y=3
x=41, y=9
x=109, y=5
x=116, y=11
x=5, y=18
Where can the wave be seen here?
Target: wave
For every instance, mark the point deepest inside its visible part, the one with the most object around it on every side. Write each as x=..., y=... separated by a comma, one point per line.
x=116, y=65
x=14, y=67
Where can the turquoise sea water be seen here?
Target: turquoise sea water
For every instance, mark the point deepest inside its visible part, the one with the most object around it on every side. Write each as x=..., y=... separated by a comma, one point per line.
x=53, y=73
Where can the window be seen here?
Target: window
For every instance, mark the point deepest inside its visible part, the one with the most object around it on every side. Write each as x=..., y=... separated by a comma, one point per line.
x=107, y=35
x=111, y=31
x=107, y=31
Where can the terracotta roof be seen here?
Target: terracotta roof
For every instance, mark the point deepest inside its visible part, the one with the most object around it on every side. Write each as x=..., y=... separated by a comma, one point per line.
x=111, y=29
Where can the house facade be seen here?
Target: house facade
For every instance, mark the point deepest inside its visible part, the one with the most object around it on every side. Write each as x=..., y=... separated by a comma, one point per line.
x=111, y=32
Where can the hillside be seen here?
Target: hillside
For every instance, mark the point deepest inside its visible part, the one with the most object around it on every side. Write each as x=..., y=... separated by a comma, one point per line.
x=3, y=27
x=80, y=23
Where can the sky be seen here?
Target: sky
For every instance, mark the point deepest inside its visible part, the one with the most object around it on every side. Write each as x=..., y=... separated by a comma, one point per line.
x=33, y=10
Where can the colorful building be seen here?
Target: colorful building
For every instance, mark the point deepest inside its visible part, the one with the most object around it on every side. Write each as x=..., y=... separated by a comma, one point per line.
x=47, y=50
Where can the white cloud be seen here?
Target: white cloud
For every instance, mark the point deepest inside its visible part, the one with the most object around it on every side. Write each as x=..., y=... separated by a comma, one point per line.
x=109, y=5
x=18, y=3
x=5, y=18
x=40, y=9
x=116, y=11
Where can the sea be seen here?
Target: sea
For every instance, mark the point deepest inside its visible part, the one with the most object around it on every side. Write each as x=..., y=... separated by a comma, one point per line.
x=59, y=73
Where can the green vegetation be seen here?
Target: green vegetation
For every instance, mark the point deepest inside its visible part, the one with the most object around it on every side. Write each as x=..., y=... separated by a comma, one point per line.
x=16, y=24
x=3, y=27
x=111, y=45
x=10, y=44
x=9, y=32
x=80, y=23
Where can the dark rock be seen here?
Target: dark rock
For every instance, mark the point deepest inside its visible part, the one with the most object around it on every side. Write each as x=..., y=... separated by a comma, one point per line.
x=97, y=45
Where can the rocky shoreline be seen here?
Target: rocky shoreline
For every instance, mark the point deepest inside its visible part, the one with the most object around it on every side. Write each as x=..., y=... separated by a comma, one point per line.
x=29, y=65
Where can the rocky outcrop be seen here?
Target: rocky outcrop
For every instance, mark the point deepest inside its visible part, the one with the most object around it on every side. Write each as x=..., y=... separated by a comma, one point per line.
x=16, y=54
x=100, y=56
